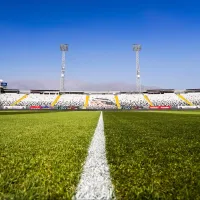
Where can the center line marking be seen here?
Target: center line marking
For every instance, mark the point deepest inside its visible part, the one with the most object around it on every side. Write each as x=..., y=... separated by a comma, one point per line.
x=95, y=182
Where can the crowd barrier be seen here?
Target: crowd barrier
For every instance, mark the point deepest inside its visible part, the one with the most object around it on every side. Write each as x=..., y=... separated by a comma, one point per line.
x=79, y=108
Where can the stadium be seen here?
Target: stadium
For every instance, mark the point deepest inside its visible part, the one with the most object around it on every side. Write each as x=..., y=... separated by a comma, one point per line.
x=91, y=119
x=91, y=100
x=99, y=153
x=150, y=99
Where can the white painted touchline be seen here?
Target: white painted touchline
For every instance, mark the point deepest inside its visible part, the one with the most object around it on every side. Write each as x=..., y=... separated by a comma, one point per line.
x=95, y=182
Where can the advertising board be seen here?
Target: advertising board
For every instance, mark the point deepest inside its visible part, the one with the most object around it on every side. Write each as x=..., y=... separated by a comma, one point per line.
x=188, y=107
x=35, y=107
x=4, y=84
x=45, y=107
x=14, y=107
x=159, y=107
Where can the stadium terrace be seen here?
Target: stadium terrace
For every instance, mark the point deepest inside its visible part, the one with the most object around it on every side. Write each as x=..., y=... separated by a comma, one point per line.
x=115, y=100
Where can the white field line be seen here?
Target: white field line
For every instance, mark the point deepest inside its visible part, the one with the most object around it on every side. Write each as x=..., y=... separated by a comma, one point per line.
x=95, y=182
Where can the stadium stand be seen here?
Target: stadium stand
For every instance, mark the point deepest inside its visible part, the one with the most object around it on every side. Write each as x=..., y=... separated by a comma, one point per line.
x=7, y=99
x=55, y=100
x=166, y=99
x=19, y=100
x=38, y=100
x=128, y=101
x=194, y=98
x=69, y=100
x=184, y=99
x=111, y=100
x=148, y=100
x=102, y=101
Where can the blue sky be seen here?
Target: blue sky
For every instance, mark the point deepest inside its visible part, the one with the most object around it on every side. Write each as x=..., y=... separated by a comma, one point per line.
x=100, y=35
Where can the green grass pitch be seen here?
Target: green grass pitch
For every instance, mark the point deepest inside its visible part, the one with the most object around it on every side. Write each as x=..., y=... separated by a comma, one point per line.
x=154, y=155
x=42, y=153
x=151, y=155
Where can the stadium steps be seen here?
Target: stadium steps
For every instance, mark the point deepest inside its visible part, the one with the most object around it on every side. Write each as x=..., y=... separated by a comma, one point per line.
x=56, y=100
x=184, y=99
x=148, y=100
x=86, y=101
x=19, y=100
x=117, y=102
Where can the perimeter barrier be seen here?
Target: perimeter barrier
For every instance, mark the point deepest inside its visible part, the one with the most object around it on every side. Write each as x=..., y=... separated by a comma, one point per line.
x=14, y=107
x=188, y=107
x=160, y=107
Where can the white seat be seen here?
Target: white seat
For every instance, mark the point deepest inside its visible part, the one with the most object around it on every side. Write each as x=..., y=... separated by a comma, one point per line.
x=8, y=99
x=76, y=100
x=38, y=100
x=166, y=99
x=194, y=98
x=132, y=100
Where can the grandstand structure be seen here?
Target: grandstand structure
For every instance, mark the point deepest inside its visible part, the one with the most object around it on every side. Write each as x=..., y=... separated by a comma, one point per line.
x=92, y=100
x=54, y=99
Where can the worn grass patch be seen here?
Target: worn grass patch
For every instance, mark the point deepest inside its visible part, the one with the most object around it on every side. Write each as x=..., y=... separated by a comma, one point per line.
x=153, y=155
x=42, y=153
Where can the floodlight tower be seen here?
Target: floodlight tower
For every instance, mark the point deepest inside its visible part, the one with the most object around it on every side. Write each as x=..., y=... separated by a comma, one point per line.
x=0, y=85
x=137, y=48
x=63, y=48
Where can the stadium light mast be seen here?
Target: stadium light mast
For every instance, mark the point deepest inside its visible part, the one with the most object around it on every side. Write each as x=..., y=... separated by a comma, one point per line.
x=0, y=85
x=137, y=48
x=63, y=48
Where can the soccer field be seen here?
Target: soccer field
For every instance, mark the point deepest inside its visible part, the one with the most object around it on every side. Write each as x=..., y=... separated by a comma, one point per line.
x=151, y=155
x=42, y=153
x=154, y=155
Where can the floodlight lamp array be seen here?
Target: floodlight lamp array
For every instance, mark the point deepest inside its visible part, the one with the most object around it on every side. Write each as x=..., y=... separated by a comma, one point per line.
x=137, y=47
x=64, y=47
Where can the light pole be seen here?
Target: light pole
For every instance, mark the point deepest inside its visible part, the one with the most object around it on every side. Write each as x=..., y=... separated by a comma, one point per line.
x=1, y=81
x=63, y=48
x=137, y=48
